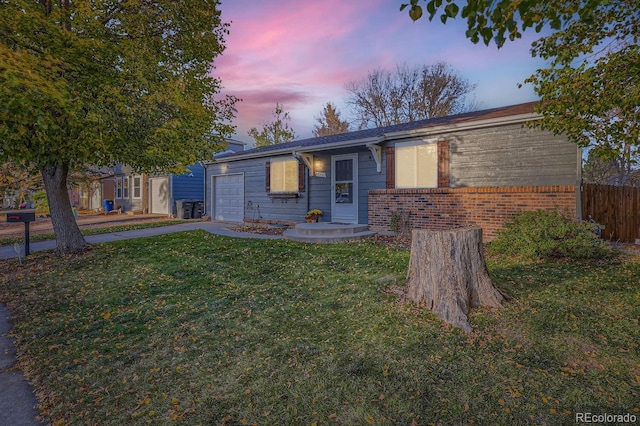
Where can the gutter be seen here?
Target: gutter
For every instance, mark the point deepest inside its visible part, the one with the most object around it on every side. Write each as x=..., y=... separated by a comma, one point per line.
x=298, y=148
x=470, y=125
x=374, y=141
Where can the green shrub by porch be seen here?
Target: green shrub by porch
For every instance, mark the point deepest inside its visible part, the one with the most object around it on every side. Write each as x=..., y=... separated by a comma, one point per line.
x=543, y=234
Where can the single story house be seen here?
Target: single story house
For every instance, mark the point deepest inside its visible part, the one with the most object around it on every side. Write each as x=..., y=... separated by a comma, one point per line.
x=156, y=193
x=479, y=168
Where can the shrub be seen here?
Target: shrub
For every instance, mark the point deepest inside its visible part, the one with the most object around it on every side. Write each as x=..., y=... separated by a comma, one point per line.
x=41, y=203
x=543, y=234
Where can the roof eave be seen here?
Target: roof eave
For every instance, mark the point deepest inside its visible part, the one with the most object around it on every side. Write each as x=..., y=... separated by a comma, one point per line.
x=465, y=125
x=290, y=150
x=404, y=134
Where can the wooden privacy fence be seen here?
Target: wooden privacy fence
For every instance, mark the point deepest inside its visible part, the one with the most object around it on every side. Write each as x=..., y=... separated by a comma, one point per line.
x=615, y=207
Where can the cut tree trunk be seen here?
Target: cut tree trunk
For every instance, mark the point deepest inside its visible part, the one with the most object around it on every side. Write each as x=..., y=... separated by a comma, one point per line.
x=69, y=239
x=447, y=273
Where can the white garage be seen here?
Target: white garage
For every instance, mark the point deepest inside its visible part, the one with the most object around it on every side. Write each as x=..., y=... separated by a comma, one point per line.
x=228, y=197
x=159, y=194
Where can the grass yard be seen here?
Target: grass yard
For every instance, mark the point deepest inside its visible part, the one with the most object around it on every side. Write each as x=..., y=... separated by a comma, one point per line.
x=193, y=328
x=87, y=230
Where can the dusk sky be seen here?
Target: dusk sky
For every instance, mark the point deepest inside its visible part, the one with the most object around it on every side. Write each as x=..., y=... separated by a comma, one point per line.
x=301, y=53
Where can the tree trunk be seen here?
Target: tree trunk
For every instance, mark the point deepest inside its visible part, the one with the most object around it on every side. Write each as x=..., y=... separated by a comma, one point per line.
x=69, y=239
x=448, y=273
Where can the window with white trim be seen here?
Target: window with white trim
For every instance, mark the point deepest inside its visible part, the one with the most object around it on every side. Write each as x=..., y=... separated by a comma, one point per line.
x=284, y=176
x=125, y=187
x=118, y=188
x=416, y=164
x=137, y=187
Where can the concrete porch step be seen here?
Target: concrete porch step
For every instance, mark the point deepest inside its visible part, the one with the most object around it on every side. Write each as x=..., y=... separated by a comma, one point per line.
x=327, y=232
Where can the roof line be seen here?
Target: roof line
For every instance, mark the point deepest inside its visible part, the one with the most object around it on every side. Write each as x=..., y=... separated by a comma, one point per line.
x=290, y=148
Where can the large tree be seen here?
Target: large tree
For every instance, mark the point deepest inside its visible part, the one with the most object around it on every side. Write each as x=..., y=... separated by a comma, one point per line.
x=407, y=94
x=591, y=87
x=275, y=132
x=108, y=82
x=605, y=166
x=329, y=123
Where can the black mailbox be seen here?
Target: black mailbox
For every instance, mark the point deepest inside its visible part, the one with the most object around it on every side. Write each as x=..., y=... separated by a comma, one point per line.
x=25, y=216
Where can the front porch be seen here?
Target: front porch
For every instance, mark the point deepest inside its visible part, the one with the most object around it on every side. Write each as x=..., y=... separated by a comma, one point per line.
x=326, y=232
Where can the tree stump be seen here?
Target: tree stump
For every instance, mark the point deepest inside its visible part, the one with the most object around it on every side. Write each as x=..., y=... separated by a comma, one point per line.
x=447, y=272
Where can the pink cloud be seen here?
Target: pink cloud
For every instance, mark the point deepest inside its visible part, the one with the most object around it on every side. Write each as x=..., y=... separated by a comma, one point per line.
x=302, y=53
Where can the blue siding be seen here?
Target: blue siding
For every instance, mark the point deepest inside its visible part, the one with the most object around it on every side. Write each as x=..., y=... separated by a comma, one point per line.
x=317, y=194
x=369, y=179
x=257, y=202
x=188, y=186
x=320, y=187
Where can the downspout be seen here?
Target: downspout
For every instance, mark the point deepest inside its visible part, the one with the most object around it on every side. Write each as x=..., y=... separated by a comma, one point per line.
x=171, y=200
x=578, y=189
x=307, y=161
x=204, y=167
x=147, y=194
x=308, y=177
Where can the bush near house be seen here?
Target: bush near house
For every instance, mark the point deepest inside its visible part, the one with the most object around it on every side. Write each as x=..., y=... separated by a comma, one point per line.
x=544, y=234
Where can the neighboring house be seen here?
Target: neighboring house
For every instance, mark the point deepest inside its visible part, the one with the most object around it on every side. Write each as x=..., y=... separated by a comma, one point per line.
x=474, y=168
x=158, y=194
x=125, y=189
x=86, y=198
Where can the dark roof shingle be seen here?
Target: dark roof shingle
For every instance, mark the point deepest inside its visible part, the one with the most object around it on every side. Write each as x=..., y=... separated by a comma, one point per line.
x=525, y=108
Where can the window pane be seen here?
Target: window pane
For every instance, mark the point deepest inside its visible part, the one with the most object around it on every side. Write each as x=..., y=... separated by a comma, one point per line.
x=277, y=176
x=291, y=176
x=125, y=193
x=416, y=165
x=344, y=193
x=284, y=176
x=137, y=187
x=426, y=167
x=344, y=170
x=405, y=167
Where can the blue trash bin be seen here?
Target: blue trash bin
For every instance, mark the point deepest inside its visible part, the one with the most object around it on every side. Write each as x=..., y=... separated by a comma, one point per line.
x=108, y=205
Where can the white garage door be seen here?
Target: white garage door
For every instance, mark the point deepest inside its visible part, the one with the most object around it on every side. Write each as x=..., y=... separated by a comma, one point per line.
x=228, y=196
x=159, y=190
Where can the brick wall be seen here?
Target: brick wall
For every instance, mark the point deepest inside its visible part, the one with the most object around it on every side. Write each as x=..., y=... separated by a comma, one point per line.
x=445, y=208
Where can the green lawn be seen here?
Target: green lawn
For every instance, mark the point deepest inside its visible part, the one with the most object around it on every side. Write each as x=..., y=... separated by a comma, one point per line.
x=6, y=241
x=193, y=328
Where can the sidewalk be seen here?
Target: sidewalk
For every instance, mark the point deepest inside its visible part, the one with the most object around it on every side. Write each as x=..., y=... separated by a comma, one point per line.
x=17, y=401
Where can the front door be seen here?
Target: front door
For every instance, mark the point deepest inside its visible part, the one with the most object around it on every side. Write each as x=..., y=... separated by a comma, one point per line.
x=344, y=181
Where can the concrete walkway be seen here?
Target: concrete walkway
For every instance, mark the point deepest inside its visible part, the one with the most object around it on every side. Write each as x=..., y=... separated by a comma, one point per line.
x=17, y=400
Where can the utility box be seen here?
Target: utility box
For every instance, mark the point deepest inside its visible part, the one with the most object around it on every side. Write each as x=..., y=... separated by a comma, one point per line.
x=23, y=216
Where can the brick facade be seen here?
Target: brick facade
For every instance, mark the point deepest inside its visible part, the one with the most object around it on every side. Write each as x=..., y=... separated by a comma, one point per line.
x=445, y=208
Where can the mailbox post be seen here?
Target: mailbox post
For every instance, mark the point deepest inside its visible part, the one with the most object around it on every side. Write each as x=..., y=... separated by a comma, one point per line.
x=25, y=216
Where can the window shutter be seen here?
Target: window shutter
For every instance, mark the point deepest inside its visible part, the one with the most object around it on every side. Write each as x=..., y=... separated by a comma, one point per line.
x=443, y=164
x=301, y=177
x=390, y=153
x=267, y=175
